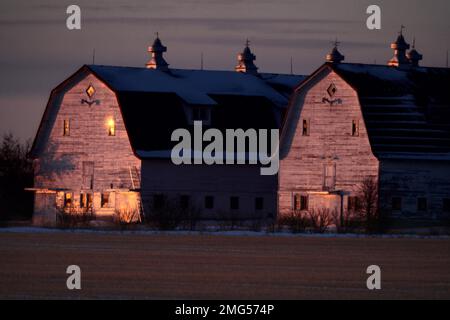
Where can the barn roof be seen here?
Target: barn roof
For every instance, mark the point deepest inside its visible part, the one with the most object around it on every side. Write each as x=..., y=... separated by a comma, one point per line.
x=195, y=86
x=406, y=110
x=153, y=101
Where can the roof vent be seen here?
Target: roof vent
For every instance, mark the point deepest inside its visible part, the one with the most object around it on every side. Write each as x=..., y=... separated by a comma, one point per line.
x=157, y=61
x=245, y=61
x=335, y=56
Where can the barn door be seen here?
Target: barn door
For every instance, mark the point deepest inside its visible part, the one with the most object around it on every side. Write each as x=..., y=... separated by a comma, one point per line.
x=88, y=175
x=330, y=176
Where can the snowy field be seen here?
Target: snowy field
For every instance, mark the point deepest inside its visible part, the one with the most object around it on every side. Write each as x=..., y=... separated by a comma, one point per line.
x=235, y=265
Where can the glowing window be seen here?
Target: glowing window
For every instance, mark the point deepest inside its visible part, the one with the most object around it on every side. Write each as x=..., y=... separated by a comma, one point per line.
x=67, y=200
x=66, y=127
x=90, y=91
x=111, y=127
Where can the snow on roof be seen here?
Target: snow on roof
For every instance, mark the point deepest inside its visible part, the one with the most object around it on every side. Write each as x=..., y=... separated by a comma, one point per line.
x=195, y=86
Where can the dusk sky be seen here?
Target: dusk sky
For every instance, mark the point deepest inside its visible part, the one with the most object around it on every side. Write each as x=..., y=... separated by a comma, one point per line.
x=38, y=51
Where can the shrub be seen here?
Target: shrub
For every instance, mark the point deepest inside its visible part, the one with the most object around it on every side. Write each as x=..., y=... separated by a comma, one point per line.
x=70, y=217
x=296, y=222
x=320, y=219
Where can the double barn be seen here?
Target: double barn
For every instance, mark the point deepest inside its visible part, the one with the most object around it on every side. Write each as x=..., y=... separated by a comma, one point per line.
x=104, y=143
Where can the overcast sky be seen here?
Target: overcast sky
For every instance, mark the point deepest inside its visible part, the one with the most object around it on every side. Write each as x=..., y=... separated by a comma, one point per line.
x=38, y=51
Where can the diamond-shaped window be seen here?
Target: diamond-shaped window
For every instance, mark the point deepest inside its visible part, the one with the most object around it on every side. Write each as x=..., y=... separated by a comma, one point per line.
x=332, y=90
x=90, y=91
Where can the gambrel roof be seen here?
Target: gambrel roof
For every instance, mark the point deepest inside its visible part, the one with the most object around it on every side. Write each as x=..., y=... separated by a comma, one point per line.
x=153, y=102
x=406, y=110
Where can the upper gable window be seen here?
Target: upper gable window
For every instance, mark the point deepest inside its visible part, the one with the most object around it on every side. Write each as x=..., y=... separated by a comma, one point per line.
x=355, y=128
x=66, y=127
x=201, y=114
x=111, y=127
x=305, y=127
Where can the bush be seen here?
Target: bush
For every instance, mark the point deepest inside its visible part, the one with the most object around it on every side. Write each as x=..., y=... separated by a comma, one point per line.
x=166, y=217
x=127, y=217
x=320, y=219
x=296, y=222
x=70, y=217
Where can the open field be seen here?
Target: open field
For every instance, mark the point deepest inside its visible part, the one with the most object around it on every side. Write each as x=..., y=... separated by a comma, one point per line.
x=157, y=266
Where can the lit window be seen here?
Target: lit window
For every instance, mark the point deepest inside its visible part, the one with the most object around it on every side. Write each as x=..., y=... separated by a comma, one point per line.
x=66, y=129
x=90, y=91
x=105, y=200
x=111, y=127
x=355, y=128
x=305, y=127
x=67, y=200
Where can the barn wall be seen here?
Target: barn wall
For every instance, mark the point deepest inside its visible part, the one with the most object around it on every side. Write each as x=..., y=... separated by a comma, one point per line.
x=411, y=180
x=60, y=163
x=330, y=142
x=219, y=181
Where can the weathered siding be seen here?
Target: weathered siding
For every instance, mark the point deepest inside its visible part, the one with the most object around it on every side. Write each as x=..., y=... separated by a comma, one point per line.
x=330, y=142
x=219, y=181
x=60, y=162
x=411, y=180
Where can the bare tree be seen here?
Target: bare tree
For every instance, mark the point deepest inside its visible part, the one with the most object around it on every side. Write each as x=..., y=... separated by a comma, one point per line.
x=16, y=173
x=368, y=195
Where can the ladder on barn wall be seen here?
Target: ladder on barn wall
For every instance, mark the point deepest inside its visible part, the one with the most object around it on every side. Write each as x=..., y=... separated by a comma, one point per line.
x=135, y=178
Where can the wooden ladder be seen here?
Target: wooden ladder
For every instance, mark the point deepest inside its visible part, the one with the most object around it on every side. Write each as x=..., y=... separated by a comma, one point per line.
x=136, y=181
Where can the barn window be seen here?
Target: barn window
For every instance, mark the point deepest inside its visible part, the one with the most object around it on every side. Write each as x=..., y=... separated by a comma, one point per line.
x=355, y=128
x=396, y=204
x=158, y=201
x=305, y=127
x=66, y=129
x=259, y=203
x=90, y=91
x=234, y=203
x=300, y=202
x=184, y=202
x=67, y=200
x=201, y=114
x=422, y=204
x=111, y=127
x=353, y=204
x=209, y=202
x=82, y=200
x=85, y=200
x=105, y=200
x=329, y=177
x=446, y=205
